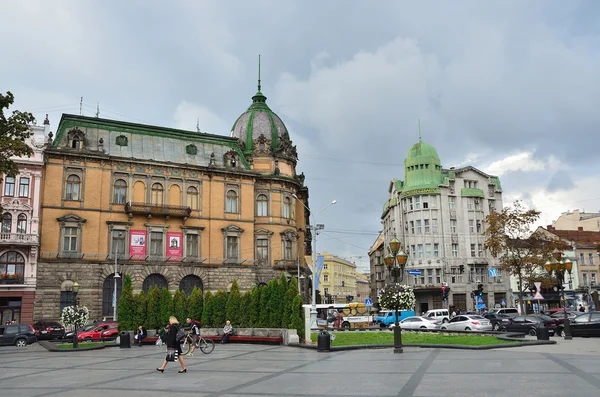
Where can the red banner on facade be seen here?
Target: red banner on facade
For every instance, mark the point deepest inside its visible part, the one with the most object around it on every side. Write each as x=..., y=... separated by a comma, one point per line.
x=174, y=247
x=137, y=246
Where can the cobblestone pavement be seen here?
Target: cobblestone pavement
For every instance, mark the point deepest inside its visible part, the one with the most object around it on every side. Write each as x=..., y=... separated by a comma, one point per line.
x=570, y=367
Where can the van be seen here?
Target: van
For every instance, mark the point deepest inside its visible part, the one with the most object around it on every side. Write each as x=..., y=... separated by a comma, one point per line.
x=438, y=314
x=505, y=311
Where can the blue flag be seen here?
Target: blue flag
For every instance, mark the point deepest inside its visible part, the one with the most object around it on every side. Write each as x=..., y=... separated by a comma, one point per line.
x=318, y=268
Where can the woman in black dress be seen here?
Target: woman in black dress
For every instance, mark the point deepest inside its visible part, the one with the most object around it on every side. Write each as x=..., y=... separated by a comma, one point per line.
x=173, y=343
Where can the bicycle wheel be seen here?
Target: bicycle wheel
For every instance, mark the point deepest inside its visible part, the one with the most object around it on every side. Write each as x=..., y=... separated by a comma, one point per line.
x=206, y=345
x=186, y=344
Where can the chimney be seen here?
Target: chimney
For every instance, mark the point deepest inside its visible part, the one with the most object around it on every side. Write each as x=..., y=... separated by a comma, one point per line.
x=580, y=229
x=46, y=120
x=550, y=228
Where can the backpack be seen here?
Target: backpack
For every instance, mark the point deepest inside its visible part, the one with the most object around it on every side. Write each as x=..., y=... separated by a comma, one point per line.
x=180, y=334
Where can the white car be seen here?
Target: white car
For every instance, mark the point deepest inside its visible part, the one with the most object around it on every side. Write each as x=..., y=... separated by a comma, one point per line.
x=417, y=322
x=468, y=322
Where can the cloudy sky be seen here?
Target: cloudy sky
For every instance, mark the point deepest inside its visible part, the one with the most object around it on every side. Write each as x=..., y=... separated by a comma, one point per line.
x=510, y=87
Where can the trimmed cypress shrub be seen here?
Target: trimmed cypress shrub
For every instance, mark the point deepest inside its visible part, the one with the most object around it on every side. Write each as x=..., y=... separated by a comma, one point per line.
x=126, y=308
x=153, y=309
x=232, y=307
x=207, y=311
x=254, y=309
x=297, y=317
x=180, y=306
x=166, y=306
x=195, y=304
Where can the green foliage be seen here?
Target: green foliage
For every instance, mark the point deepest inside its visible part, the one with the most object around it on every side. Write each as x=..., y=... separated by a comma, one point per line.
x=254, y=308
x=207, y=312
x=141, y=309
x=297, y=317
x=180, y=306
x=245, y=309
x=14, y=130
x=265, y=311
x=275, y=303
x=219, y=308
x=126, y=310
x=166, y=306
x=288, y=302
x=153, y=309
x=195, y=304
x=233, y=305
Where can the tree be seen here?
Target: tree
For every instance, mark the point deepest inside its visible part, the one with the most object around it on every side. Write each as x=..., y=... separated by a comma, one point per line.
x=245, y=308
x=14, y=130
x=288, y=303
x=265, y=311
x=207, y=312
x=232, y=307
x=141, y=309
x=254, y=309
x=153, y=309
x=195, y=304
x=521, y=252
x=180, y=306
x=126, y=308
x=166, y=306
x=297, y=317
x=220, y=305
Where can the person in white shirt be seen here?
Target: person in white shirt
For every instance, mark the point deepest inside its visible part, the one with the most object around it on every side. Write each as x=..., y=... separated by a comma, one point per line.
x=227, y=331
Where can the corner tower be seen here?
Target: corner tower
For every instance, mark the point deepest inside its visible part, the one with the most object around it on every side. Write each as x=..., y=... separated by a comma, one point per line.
x=422, y=168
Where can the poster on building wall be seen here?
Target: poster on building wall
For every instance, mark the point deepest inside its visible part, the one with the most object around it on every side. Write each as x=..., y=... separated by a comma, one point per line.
x=137, y=247
x=174, y=247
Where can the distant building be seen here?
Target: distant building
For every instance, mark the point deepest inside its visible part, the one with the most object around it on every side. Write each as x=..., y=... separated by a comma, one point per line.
x=377, y=267
x=337, y=283
x=439, y=216
x=587, y=221
x=363, y=289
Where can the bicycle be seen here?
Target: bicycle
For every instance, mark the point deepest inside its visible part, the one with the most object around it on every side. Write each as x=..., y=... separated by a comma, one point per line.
x=206, y=346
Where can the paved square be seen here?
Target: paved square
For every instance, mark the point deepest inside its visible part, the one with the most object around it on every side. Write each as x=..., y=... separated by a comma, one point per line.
x=237, y=370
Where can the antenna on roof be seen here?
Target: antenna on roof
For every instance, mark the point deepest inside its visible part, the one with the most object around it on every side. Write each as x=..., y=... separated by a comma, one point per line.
x=259, y=72
x=81, y=106
x=98, y=110
x=419, y=130
x=198, y=124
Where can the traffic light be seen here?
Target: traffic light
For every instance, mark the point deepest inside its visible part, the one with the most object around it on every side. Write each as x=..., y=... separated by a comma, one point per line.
x=532, y=288
x=461, y=269
x=480, y=289
x=445, y=291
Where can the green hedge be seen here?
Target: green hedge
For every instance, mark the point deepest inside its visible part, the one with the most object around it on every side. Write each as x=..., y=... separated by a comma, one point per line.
x=275, y=305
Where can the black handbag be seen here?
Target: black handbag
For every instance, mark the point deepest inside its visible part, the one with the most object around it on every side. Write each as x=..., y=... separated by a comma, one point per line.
x=171, y=355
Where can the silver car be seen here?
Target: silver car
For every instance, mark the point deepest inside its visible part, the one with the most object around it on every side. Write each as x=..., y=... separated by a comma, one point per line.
x=417, y=322
x=468, y=322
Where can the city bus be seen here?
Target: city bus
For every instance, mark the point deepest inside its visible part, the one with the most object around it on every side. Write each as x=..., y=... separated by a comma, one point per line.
x=341, y=315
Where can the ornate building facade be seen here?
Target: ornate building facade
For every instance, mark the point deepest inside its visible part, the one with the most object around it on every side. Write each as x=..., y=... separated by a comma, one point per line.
x=439, y=216
x=176, y=209
x=19, y=237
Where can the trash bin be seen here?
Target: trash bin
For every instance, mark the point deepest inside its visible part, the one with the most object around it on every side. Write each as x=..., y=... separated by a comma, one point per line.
x=543, y=333
x=124, y=340
x=323, y=341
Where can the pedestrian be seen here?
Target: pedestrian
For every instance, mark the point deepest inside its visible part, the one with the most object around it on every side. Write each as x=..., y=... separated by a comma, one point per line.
x=581, y=309
x=173, y=346
x=227, y=331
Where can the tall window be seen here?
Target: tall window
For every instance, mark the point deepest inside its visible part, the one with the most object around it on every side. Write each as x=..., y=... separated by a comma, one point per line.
x=471, y=226
x=420, y=250
x=6, y=223
x=22, y=224
x=191, y=250
x=452, y=225
x=426, y=224
x=591, y=258
x=436, y=250
x=70, y=239
x=9, y=186
x=12, y=263
x=120, y=193
x=418, y=202
x=232, y=247
x=419, y=229
x=24, y=187
x=192, y=198
x=157, y=194
x=452, y=202
x=262, y=249
x=231, y=203
x=434, y=226
x=118, y=242
x=262, y=203
x=287, y=208
x=455, y=250
x=428, y=250
x=472, y=250
x=156, y=243
x=73, y=185
x=287, y=250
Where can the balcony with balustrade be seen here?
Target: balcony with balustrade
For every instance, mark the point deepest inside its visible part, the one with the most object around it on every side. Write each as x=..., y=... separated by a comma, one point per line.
x=21, y=239
x=150, y=210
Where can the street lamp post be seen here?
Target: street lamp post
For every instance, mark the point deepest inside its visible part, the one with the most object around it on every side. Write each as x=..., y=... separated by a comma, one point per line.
x=115, y=277
x=395, y=261
x=314, y=228
x=559, y=266
x=75, y=292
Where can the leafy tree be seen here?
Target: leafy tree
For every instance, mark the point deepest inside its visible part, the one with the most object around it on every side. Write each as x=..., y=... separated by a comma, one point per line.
x=141, y=309
x=233, y=305
x=297, y=317
x=153, y=307
x=245, y=309
x=220, y=306
x=254, y=308
x=288, y=303
x=166, y=306
x=126, y=310
x=207, y=312
x=521, y=252
x=195, y=304
x=14, y=130
x=265, y=311
x=180, y=306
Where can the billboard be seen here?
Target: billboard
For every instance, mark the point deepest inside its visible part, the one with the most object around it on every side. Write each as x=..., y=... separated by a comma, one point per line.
x=174, y=245
x=137, y=245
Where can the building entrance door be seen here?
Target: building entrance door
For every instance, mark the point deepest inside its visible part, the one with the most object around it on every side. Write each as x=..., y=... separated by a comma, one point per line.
x=424, y=308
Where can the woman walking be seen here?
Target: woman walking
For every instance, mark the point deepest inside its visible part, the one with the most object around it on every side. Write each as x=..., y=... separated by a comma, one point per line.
x=173, y=346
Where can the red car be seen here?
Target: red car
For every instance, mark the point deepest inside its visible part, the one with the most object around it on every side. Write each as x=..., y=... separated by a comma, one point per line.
x=102, y=331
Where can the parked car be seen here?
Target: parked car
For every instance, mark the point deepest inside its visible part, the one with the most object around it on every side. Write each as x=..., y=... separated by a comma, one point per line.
x=17, y=334
x=588, y=324
x=49, y=330
x=529, y=324
x=467, y=322
x=386, y=318
x=101, y=331
x=417, y=322
x=506, y=311
x=441, y=315
x=88, y=327
x=496, y=319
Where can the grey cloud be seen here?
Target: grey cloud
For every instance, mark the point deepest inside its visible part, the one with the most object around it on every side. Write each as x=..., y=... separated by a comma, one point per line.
x=561, y=180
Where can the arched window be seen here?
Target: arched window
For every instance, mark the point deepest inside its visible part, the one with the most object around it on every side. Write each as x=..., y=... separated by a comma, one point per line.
x=120, y=192
x=231, y=203
x=76, y=143
x=157, y=194
x=188, y=283
x=12, y=263
x=73, y=184
x=6, y=223
x=108, y=289
x=192, y=198
x=262, y=208
x=287, y=208
x=154, y=279
x=22, y=224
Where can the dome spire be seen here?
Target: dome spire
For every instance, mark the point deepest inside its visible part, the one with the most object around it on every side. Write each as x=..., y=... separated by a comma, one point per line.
x=259, y=97
x=420, y=140
x=258, y=72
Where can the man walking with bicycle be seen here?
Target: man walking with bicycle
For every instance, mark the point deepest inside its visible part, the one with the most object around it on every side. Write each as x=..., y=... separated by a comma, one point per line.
x=194, y=328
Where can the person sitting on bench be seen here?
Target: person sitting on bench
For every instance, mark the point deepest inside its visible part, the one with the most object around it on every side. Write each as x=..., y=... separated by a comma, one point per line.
x=227, y=332
x=140, y=335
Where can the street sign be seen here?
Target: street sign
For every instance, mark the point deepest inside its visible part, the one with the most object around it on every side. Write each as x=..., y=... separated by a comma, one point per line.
x=538, y=295
x=415, y=272
x=368, y=302
x=493, y=272
x=503, y=302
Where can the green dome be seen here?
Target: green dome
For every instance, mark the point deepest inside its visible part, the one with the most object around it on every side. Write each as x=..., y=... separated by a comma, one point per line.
x=422, y=168
x=422, y=149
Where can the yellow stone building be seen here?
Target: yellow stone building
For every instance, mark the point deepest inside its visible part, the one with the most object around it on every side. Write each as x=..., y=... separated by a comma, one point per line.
x=338, y=279
x=178, y=209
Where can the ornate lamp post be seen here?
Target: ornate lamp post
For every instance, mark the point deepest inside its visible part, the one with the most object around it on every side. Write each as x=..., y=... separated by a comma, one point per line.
x=75, y=292
x=559, y=266
x=395, y=261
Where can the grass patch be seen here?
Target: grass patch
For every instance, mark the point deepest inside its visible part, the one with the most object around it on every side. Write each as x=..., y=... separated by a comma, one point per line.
x=82, y=345
x=387, y=338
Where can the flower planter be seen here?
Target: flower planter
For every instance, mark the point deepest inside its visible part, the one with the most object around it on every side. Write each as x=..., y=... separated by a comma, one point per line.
x=11, y=281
